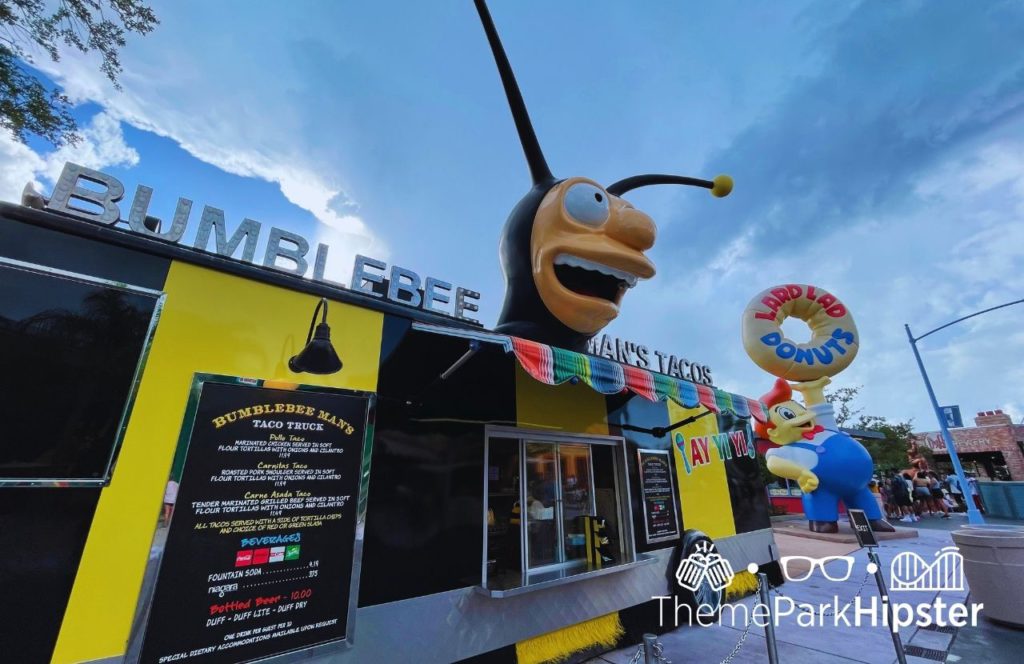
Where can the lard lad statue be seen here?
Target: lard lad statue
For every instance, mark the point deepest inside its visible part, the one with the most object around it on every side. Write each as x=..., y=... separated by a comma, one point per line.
x=828, y=464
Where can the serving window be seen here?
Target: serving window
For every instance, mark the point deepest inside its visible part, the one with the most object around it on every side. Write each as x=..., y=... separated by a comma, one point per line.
x=72, y=348
x=557, y=509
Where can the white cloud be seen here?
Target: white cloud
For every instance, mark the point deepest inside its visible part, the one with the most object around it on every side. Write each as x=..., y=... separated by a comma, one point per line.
x=19, y=165
x=343, y=249
x=102, y=146
x=946, y=251
x=223, y=113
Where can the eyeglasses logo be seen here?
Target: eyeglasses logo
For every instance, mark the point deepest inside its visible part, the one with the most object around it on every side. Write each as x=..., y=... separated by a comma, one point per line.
x=793, y=567
x=704, y=566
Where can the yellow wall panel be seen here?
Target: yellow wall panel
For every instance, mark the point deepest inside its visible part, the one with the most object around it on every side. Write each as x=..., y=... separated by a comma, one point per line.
x=573, y=409
x=704, y=490
x=566, y=407
x=211, y=323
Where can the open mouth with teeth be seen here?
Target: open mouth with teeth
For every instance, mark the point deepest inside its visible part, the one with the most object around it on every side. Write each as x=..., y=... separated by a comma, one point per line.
x=593, y=279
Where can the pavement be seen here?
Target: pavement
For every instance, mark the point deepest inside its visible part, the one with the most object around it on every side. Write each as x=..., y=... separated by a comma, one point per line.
x=955, y=520
x=830, y=641
x=988, y=642
x=846, y=534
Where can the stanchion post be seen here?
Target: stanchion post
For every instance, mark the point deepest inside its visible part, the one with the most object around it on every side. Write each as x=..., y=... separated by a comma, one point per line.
x=769, y=627
x=897, y=642
x=649, y=641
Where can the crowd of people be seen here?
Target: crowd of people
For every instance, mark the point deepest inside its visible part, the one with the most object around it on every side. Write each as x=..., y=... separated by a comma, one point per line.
x=909, y=495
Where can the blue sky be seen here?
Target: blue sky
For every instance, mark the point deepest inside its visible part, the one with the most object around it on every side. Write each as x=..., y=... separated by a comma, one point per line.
x=877, y=148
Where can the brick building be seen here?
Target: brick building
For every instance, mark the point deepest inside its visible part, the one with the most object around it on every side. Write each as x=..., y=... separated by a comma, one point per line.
x=993, y=448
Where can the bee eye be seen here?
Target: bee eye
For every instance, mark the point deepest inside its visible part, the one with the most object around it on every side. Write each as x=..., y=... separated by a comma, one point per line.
x=587, y=204
x=786, y=413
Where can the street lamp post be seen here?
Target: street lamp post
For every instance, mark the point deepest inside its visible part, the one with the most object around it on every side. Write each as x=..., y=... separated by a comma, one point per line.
x=973, y=514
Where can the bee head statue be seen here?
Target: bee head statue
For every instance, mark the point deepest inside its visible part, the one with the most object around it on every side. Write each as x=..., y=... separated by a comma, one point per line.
x=571, y=248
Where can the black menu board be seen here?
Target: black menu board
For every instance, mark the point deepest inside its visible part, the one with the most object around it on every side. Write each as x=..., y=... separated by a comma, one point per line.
x=258, y=558
x=660, y=519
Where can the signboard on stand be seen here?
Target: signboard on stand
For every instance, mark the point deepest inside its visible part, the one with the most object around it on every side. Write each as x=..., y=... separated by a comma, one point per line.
x=862, y=528
x=661, y=520
x=261, y=553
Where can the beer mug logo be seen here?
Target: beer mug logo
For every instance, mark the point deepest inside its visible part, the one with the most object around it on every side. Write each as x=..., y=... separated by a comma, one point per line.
x=704, y=566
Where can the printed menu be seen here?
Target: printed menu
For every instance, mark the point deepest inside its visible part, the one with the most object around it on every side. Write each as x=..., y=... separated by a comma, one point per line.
x=259, y=552
x=660, y=520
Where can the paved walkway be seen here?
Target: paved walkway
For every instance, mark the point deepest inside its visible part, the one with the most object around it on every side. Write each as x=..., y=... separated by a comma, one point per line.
x=828, y=643
x=988, y=642
x=955, y=521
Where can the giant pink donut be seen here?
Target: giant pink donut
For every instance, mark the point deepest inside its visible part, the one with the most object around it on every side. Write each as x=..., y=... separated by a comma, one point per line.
x=834, y=340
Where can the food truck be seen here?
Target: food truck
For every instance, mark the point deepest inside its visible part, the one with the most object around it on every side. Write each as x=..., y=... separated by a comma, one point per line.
x=454, y=531
x=217, y=456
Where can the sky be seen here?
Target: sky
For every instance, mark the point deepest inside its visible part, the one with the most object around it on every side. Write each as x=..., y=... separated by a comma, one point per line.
x=877, y=151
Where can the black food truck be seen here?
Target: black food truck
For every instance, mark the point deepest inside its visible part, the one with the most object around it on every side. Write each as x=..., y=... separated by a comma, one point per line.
x=212, y=456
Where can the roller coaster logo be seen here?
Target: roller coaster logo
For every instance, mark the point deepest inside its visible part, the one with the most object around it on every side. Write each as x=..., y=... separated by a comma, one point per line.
x=909, y=571
x=704, y=566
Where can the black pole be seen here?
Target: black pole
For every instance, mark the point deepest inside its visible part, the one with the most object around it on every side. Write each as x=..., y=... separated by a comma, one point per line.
x=769, y=626
x=883, y=591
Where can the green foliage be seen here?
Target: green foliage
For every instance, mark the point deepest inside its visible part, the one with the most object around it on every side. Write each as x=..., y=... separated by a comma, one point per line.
x=891, y=453
x=26, y=106
x=842, y=403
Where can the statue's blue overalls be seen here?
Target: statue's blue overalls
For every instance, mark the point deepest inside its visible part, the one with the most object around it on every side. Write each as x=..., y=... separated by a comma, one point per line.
x=842, y=465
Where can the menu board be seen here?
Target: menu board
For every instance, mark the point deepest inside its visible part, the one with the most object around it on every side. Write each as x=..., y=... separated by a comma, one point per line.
x=258, y=558
x=660, y=519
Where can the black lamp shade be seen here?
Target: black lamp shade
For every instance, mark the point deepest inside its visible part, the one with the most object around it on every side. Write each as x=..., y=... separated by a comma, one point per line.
x=319, y=356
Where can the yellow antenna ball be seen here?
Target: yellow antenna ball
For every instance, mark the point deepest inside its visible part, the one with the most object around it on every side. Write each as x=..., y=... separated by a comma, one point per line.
x=722, y=186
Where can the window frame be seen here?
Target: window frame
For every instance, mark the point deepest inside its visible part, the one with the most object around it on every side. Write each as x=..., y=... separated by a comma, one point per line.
x=160, y=298
x=623, y=494
x=559, y=513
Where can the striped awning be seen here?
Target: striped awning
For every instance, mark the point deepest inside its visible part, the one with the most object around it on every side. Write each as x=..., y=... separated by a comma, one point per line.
x=554, y=366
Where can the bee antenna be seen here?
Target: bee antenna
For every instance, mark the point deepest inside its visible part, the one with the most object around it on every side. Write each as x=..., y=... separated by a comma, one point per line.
x=539, y=170
x=720, y=187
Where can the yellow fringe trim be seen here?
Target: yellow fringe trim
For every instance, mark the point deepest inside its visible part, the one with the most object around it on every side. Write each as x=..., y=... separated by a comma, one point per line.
x=558, y=645
x=743, y=584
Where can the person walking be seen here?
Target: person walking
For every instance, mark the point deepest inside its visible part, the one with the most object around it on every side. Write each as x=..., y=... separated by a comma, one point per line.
x=955, y=490
x=876, y=490
x=901, y=497
x=887, y=504
x=922, y=493
x=938, y=497
x=972, y=486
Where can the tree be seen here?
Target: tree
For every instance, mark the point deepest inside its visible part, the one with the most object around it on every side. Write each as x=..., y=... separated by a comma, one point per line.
x=842, y=400
x=889, y=453
x=26, y=106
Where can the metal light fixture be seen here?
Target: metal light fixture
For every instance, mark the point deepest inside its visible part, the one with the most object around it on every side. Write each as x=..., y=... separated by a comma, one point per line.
x=319, y=356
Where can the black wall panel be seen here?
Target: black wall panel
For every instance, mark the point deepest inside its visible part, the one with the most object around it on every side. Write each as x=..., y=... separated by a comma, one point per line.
x=42, y=534
x=746, y=485
x=424, y=520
